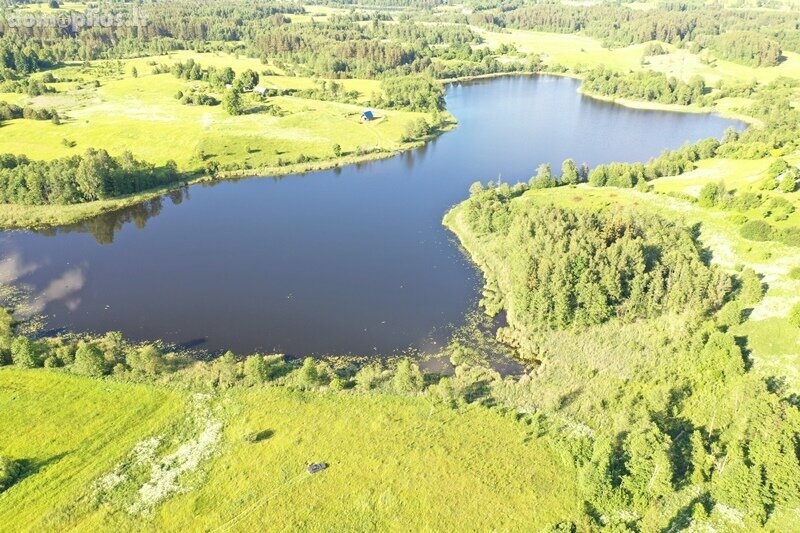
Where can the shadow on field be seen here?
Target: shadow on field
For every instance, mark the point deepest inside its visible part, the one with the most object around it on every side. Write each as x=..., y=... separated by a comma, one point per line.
x=259, y=436
x=34, y=466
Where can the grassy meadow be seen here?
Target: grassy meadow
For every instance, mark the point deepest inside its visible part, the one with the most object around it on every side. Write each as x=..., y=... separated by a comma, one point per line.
x=141, y=114
x=396, y=463
x=69, y=431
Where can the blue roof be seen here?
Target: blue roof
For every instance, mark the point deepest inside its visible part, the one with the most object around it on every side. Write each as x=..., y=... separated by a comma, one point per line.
x=368, y=114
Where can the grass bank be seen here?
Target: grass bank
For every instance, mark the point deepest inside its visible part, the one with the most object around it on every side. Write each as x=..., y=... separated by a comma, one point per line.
x=68, y=431
x=395, y=463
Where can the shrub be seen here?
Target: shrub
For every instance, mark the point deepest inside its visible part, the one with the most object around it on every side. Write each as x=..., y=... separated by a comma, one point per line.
x=10, y=471
x=544, y=178
x=446, y=392
x=794, y=316
x=788, y=183
x=711, y=195
x=6, y=323
x=757, y=230
x=89, y=361
x=65, y=354
x=746, y=201
x=752, y=289
x=777, y=167
x=369, y=377
x=407, y=377
x=255, y=369
x=309, y=373
x=338, y=384
x=790, y=236
x=24, y=353
x=146, y=360
x=226, y=369
x=731, y=314
x=5, y=351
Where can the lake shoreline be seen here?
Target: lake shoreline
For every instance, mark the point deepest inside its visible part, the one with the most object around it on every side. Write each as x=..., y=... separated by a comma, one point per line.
x=358, y=252
x=21, y=217
x=39, y=217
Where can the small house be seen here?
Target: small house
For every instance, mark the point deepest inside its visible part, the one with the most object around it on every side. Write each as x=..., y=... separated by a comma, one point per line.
x=261, y=91
x=367, y=116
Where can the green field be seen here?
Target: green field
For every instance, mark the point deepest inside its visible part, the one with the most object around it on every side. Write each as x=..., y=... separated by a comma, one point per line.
x=569, y=50
x=142, y=115
x=70, y=431
x=396, y=463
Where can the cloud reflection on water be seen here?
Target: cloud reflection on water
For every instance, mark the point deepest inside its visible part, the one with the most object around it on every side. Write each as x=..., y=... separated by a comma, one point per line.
x=62, y=288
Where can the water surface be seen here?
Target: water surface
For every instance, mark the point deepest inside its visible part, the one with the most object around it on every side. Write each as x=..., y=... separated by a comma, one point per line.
x=352, y=260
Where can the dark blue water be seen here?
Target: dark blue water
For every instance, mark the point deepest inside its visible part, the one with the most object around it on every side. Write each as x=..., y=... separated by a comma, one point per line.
x=344, y=261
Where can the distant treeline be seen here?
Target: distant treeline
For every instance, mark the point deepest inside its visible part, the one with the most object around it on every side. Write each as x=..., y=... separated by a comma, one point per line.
x=95, y=175
x=338, y=46
x=621, y=26
x=748, y=48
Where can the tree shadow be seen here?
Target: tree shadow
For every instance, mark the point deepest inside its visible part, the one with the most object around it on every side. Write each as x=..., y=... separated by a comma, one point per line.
x=479, y=391
x=31, y=467
x=747, y=353
x=259, y=436
x=683, y=518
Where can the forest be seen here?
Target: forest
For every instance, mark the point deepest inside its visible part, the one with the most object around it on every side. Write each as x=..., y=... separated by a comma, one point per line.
x=599, y=267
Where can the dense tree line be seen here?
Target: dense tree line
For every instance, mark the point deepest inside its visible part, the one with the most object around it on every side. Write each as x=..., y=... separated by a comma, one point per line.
x=339, y=46
x=193, y=71
x=621, y=26
x=13, y=111
x=589, y=268
x=95, y=175
x=669, y=163
x=412, y=93
x=329, y=90
x=165, y=26
x=646, y=85
x=747, y=47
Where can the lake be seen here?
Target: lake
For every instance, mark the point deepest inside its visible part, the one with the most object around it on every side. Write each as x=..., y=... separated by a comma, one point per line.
x=352, y=260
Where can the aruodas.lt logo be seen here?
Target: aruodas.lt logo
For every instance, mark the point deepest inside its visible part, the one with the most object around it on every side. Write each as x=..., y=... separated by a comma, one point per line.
x=76, y=21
